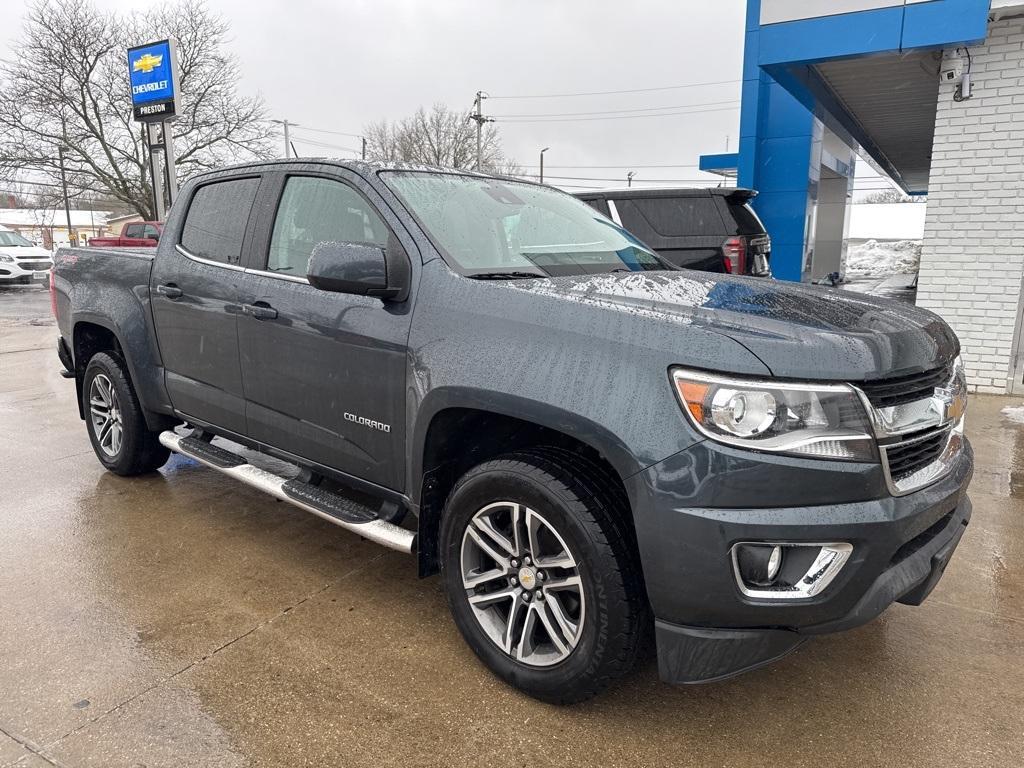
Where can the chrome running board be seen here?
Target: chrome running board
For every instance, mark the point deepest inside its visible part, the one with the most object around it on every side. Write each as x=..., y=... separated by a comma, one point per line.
x=331, y=507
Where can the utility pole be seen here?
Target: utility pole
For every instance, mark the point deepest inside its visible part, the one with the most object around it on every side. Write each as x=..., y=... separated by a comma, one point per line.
x=364, y=147
x=629, y=178
x=67, y=205
x=287, y=141
x=542, y=163
x=478, y=118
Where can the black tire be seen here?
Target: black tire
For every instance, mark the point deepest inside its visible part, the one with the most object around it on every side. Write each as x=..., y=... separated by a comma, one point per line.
x=139, y=450
x=590, y=512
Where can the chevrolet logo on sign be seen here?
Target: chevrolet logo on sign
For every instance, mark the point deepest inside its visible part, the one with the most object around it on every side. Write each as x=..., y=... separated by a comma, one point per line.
x=147, y=63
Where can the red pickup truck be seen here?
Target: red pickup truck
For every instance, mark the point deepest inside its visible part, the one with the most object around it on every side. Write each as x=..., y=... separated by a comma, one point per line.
x=135, y=234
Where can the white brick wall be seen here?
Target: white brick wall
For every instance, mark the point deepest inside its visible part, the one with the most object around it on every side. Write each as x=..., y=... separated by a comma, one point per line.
x=973, y=257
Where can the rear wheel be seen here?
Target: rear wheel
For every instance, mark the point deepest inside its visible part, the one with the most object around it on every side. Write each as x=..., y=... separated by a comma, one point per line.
x=114, y=419
x=540, y=575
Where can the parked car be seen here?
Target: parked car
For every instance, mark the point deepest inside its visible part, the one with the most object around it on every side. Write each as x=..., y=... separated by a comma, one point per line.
x=135, y=234
x=22, y=262
x=592, y=444
x=711, y=230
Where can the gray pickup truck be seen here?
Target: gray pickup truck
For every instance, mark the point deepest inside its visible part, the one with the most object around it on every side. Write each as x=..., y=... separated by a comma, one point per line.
x=593, y=445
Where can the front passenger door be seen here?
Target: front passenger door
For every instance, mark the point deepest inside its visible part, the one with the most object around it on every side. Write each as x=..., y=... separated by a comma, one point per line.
x=324, y=373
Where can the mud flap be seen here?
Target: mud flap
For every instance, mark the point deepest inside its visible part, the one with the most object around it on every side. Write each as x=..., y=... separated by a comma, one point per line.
x=688, y=655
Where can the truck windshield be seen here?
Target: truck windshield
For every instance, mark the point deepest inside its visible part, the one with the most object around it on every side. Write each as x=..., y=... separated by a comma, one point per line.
x=505, y=229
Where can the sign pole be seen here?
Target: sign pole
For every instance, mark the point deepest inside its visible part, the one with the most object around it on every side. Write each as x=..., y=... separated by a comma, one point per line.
x=156, y=172
x=172, y=172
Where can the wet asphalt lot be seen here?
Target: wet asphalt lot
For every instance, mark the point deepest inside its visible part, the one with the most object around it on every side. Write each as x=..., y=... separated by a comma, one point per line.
x=182, y=619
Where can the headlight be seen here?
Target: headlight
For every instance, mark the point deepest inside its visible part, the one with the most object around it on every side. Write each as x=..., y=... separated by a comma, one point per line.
x=5, y=257
x=820, y=420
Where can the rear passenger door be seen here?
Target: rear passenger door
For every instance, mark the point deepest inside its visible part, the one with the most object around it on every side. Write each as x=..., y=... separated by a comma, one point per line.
x=686, y=230
x=194, y=294
x=324, y=372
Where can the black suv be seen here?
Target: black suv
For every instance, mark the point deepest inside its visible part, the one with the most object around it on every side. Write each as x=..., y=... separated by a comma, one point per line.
x=712, y=230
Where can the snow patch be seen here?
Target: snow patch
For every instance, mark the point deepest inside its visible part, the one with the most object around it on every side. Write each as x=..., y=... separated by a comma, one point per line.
x=878, y=259
x=1014, y=413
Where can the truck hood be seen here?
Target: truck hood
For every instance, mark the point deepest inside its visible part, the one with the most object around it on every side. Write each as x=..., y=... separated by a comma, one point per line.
x=797, y=331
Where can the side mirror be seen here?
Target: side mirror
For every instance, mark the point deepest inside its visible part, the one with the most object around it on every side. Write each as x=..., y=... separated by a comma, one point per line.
x=154, y=237
x=361, y=270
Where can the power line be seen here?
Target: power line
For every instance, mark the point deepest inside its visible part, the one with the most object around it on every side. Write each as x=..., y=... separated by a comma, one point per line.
x=336, y=133
x=601, y=167
x=318, y=143
x=612, y=93
x=732, y=102
x=508, y=121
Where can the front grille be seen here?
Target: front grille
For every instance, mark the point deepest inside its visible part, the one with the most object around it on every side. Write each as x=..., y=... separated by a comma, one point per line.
x=885, y=393
x=904, y=459
x=34, y=264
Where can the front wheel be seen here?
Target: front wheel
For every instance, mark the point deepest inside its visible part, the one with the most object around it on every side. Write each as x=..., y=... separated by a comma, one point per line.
x=540, y=573
x=114, y=419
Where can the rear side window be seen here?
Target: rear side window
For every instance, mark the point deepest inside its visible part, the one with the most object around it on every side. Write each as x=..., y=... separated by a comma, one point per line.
x=672, y=216
x=744, y=220
x=216, y=219
x=600, y=205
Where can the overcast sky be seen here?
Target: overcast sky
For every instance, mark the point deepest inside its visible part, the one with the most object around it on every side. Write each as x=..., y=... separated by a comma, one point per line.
x=336, y=65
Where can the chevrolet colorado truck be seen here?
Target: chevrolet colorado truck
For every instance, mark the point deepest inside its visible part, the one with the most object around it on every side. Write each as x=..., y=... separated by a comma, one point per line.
x=588, y=444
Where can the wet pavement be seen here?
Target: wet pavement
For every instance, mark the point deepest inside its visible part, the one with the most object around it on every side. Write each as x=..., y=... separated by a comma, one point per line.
x=182, y=619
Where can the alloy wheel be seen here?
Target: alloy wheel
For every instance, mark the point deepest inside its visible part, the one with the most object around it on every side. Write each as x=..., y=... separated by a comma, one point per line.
x=105, y=415
x=523, y=583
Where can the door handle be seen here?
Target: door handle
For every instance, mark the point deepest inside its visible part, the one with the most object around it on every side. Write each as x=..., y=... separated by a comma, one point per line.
x=171, y=291
x=260, y=310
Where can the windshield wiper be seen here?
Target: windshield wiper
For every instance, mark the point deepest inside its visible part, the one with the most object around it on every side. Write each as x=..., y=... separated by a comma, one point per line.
x=505, y=275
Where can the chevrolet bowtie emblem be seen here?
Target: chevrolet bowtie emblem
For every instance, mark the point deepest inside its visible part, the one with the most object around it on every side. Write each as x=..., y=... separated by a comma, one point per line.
x=147, y=63
x=953, y=403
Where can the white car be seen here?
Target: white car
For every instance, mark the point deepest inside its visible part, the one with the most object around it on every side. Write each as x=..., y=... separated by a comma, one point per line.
x=22, y=262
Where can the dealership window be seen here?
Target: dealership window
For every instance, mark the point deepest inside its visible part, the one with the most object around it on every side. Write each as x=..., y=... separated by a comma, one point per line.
x=314, y=210
x=215, y=224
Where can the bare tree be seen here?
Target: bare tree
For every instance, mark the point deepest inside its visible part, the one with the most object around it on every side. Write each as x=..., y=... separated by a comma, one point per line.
x=892, y=196
x=66, y=86
x=440, y=137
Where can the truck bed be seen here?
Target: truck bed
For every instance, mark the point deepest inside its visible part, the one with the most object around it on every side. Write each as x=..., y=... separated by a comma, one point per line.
x=106, y=290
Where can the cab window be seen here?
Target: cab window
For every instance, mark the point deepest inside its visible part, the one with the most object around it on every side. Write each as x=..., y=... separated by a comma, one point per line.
x=215, y=224
x=315, y=210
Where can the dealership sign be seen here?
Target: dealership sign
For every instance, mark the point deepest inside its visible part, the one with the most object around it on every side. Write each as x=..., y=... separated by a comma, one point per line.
x=153, y=74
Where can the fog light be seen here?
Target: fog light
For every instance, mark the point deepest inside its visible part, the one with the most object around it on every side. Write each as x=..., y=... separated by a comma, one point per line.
x=759, y=564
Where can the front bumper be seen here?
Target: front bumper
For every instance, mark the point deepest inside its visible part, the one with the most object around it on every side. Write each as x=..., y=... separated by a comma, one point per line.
x=13, y=273
x=706, y=628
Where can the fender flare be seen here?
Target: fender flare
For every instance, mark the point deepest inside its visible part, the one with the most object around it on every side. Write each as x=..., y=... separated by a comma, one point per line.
x=558, y=419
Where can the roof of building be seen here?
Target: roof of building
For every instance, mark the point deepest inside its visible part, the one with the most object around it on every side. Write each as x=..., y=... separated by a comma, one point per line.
x=50, y=217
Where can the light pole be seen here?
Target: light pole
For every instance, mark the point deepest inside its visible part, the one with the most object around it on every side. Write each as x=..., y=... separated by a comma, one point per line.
x=629, y=178
x=67, y=205
x=542, y=163
x=287, y=141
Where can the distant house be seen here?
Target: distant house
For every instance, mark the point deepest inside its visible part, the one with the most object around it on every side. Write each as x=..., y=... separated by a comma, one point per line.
x=49, y=226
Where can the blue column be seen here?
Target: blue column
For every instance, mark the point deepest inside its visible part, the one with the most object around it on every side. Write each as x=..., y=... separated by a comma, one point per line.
x=776, y=138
